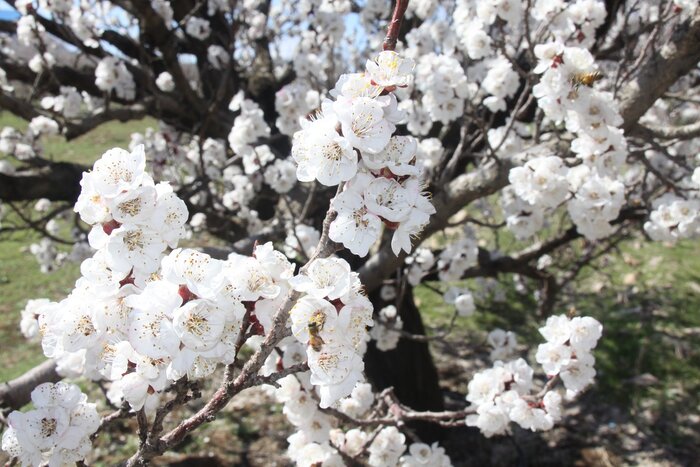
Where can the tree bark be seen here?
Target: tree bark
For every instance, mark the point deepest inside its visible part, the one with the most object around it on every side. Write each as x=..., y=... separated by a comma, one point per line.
x=17, y=393
x=57, y=181
x=409, y=369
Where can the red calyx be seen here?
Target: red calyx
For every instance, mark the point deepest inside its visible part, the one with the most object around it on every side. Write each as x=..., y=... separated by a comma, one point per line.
x=337, y=304
x=557, y=60
x=386, y=173
x=390, y=225
x=185, y=293
x=255, y=325
x=255, y=245
x=108, y=227
x=127, y=280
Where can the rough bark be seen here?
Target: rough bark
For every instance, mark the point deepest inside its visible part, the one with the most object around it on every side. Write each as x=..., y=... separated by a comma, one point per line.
x=17, y=393
x=675, y=58
x=409, y=369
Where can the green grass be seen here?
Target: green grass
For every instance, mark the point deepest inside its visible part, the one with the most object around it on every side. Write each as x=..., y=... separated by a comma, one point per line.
x=20, y=280
x=87, y=148
x=20, y=277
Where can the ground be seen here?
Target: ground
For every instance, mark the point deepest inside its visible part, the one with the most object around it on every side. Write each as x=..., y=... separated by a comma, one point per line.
x=643, y=410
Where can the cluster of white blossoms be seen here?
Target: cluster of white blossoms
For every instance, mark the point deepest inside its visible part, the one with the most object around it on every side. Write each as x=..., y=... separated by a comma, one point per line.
x=56, y=432
x=301, y=241
x=42, y=125
x=231, y=189
x=142, y=319
x=568, y=350
x=387, y=331
x=319, y=442
x=23, y=146
x=674, y=218
x=387, y=447
x=310, y=444
x=419, y=264
x=503, y=344
x=422, y=454
x=592, y=191
x=331, y=318
x=444, y=88
x=165, y=82
x=316, y=439
x=248, y=127
x=137, y=317
x=51, y=258
x=501, y=82
x=112, y=74
x=296, y=98
x=506, y=392
x=197, y=27
x=32, y=35
x=133, y=219
x=462, y=299
x=457, y=257
x=68, y=103
x=350, y=140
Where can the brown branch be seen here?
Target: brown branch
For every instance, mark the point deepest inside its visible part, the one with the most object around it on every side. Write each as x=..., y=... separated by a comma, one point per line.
x=689, y=131
x=663, y=68
x=397, y=414
x=22, y=109
x=274, y=377
x=123, y=412
x=122, y=114
x=392, y=34
x=485, y=180
x=181, y=389
x=17, y=393
x=56, y=181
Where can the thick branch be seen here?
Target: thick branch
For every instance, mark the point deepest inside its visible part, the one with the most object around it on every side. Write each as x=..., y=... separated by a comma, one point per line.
x=689, y=131
x=663, y=68
x=122, y=114
x=17, y=393
x=487, y=179
x=57, y=181
x=18, y=107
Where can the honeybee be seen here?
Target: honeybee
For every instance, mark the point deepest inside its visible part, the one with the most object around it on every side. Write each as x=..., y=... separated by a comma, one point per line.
x=315, y=326
x=585, y=79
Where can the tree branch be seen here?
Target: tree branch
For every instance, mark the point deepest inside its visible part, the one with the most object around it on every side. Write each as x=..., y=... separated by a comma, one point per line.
x=122, y=114
x=392, y=34
x=663, y=68
x=57, y=181
x=17, y=393
x=487, y=179
x=689, y=131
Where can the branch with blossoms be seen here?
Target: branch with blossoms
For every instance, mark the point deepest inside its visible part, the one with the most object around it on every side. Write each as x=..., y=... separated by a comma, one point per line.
x=487, y=112
x=198, y=312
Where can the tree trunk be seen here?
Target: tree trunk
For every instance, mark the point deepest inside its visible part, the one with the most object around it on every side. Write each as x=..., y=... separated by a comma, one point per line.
x=409, y=368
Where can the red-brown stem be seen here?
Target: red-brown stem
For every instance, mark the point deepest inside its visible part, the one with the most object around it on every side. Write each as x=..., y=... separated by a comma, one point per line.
x=392, y=34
